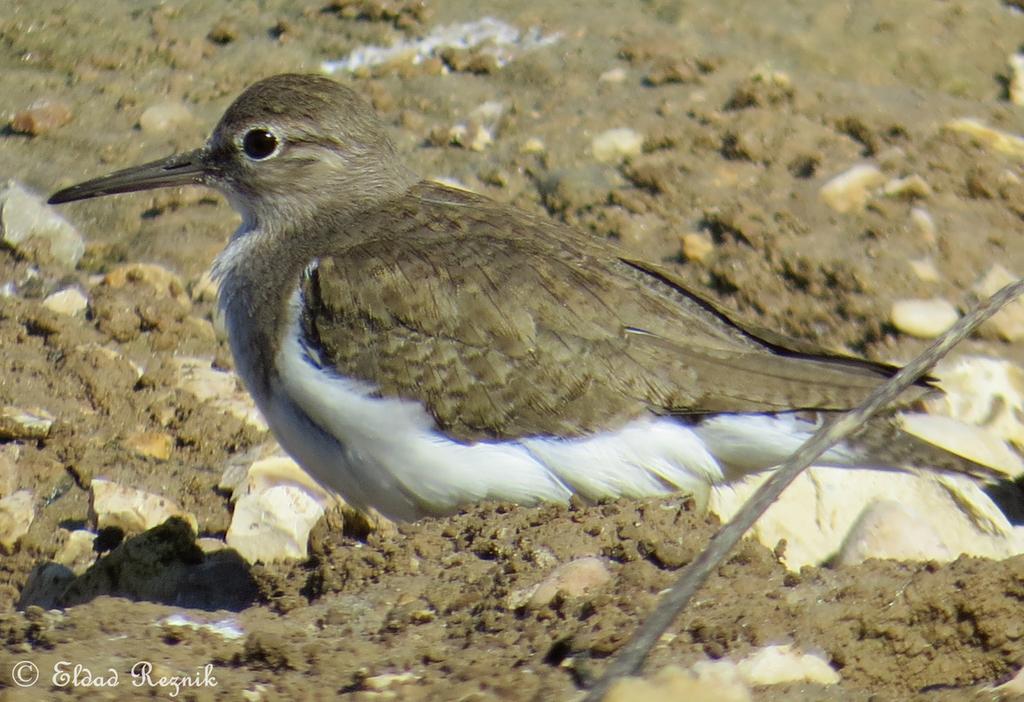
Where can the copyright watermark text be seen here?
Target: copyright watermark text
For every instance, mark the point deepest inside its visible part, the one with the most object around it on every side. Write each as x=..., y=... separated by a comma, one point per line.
x=66, y=674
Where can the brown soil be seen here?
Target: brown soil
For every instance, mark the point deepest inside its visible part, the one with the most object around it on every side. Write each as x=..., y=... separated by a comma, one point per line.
x=736, y=159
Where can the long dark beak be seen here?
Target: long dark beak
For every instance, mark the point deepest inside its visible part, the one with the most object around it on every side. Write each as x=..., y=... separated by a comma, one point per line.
x=180, y=169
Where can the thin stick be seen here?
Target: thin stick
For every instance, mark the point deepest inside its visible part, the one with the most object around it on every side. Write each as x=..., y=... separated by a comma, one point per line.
x=632, y=655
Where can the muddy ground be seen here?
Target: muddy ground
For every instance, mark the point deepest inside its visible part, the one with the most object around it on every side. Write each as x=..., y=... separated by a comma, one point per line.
x=734, y=152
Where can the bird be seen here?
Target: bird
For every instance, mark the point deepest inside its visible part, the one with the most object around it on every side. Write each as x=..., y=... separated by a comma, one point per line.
x=417, y=347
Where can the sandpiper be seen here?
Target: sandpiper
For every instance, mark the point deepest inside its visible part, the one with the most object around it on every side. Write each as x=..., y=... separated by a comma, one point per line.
x=417, y=347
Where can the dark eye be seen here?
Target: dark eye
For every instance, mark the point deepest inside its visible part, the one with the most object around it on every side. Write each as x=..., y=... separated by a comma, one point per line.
x=259, y=144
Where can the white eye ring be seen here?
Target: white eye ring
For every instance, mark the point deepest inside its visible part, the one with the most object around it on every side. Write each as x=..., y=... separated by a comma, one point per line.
x=259, y=144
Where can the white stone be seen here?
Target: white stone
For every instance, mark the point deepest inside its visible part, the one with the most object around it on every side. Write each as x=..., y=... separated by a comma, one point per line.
x=77, y=552
x=708, y=681
x=994, y=139
x=573, y=579
x=925, y=319
x=24, y=216
x=274, y=525
x=130, y=509
x=815, y=513
x=17, y=511
x=10, y=454
x=69, y=301
x=775, y=665
x=924, y=224
x=165, y=117
x=985, y=392
x=221, y=389
x=272, y=471
x=19, y=423
x=912, y=186
x=849, y=191
x=1008, y=323
x=888, y=529
x=1015, y=88
x=613, y=75
x=616, y=145
x=968, y=440
x=925, y=270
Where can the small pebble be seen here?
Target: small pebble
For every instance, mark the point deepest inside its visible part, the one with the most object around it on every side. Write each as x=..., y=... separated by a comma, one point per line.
x=533, y=145
x=995, y=139
x=780, y=664
x=130, y=509
x=1016, y=83
x=222, y=389
x=922, y=221
x=697, y=247
x=849, y=191
x=925, y=270
x=16, y=514
x=77, y=553
x=616, y=145
x=712, y=681
x=888, y=529
x=572, y=579
x=613, y=75
x=910, y=188
x=164, y=117
x=69, y=301
x=152, y=444
x=925, y=319
x=26, y=219
x=40, y=117
x=18, y=424
x=1008, y=323
x=274, y=525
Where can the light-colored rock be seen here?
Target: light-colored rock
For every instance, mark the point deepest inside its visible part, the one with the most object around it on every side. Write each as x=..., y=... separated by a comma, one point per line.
x=229, y=629
x=42, y=116
x=271, y=471
x=69, y=301
x=985, y=392
x=910, y=187
x=153, y=444
x=16, y=514
x=925, y=270
x=20, y=424
x=613, y=75
x=995, y=139
x=697, y=246
x=616, y=145
x=1008, y=323
x=815, y=513
x=10, y=454
x=924, y=224
x=26, y=219
x=386, y=681
x=775, y=665
x=968, y=440
x=114, y=505
x=717, y=681
x=925, y=319
x=77, y=552
x=221, y=389
x=165, y=117
x=849, y=191
x=573, y=579
x=1015, y=87
x=277, y=504
x=533, y=145
x=888, y=529
x=274, y=525
x=165, y=283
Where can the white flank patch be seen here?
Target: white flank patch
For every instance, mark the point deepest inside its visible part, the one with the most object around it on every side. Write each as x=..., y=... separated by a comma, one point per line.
x=387, y=453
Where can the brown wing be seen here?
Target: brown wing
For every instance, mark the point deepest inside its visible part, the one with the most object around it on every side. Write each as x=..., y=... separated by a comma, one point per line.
x=504, y=325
